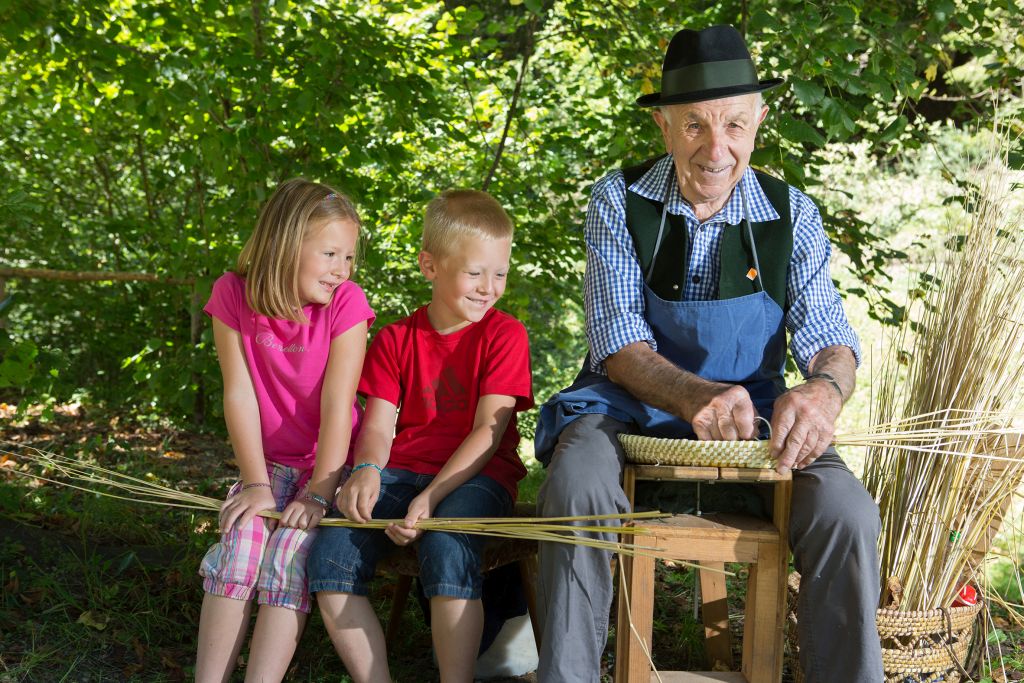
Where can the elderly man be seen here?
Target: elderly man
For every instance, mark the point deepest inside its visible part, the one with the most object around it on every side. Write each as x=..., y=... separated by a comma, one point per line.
x=696, y=268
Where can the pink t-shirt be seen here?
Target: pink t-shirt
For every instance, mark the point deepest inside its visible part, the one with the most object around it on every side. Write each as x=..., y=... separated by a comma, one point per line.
x=437, y=380
x=287, y=361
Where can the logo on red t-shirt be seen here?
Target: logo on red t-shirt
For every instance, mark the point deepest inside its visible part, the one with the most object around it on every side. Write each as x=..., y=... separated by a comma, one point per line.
x=445, y=394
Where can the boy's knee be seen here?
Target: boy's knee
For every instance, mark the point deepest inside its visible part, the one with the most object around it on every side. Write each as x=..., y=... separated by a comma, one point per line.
x=321, y=560
x=450, y=565
x=440, y=549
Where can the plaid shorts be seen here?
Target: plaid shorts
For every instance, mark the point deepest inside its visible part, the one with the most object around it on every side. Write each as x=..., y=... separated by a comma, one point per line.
x=255, y=559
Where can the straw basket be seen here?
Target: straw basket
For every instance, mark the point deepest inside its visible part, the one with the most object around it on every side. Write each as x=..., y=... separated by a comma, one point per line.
x=650, y=450
x=924, y=646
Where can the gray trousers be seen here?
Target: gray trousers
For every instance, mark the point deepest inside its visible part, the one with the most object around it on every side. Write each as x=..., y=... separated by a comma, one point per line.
x=833, y=532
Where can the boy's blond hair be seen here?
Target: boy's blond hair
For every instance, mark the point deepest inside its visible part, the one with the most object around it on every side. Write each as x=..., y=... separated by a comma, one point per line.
x=269, y=261
x=456, y=214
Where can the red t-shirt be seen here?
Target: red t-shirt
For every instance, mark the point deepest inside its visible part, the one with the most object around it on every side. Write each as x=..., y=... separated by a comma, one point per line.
x=436, y=381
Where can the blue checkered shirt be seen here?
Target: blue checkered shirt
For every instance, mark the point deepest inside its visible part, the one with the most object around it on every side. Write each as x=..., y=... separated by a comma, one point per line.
x=613, y=284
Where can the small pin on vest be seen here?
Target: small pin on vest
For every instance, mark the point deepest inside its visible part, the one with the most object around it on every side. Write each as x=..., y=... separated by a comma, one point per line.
x=751, y=274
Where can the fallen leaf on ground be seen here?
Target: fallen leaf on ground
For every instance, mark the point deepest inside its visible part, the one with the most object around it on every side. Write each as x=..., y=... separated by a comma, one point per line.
x=95, y=619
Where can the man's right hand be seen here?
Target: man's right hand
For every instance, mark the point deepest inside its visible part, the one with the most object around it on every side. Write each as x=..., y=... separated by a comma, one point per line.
x=724, y=412
x=715, y=410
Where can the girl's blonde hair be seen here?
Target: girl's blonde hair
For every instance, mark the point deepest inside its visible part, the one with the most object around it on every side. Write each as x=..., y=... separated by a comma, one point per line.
x=269, y=261
x=455, y=214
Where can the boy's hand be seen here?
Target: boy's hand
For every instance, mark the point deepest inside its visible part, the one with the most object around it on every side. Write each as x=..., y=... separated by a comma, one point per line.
x=239, y=509
x=359, y=495
x=421, y=507
x=302, y=514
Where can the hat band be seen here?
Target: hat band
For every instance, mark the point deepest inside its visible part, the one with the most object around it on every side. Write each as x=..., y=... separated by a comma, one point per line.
x=708, y=75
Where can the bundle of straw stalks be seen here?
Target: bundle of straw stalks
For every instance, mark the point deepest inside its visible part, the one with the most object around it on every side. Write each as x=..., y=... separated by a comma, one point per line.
x=950, y=393
x=93, y=478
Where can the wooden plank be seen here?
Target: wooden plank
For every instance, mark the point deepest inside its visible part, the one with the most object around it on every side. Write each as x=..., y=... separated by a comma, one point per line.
x=715, y=615
x=629, y=483
x=714, y=526
x=764, y=664
x=674, y=472
x=751, y=474
x=623, y=633
x=635, y=627
x=689, y=549
x=398, y=600
x=697, y=677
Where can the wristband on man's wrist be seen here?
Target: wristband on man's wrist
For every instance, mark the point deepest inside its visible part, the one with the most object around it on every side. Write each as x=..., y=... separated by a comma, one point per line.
x=830, y=379
x=364, y=465
x=318, y=499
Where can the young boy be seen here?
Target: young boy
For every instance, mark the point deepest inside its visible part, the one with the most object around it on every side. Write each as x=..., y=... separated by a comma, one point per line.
x=438, y=439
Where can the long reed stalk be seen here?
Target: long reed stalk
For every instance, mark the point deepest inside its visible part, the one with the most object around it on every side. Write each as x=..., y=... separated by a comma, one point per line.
x=957, y=366
x=93, y=478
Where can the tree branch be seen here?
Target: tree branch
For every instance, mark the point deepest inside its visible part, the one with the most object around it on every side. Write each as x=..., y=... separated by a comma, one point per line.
x=512, y=105
x=90, y=276
x=141, y=151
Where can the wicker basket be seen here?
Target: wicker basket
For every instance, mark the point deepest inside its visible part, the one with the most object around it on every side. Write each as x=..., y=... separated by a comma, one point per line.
x=923, y=646
x=649, y=450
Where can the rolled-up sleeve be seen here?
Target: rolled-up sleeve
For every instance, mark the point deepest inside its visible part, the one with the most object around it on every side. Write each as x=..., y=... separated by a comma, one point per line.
x=613, y=288
x=816, y=318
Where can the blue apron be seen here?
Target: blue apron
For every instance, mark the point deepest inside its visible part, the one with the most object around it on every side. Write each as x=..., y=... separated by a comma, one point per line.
x=736, y=341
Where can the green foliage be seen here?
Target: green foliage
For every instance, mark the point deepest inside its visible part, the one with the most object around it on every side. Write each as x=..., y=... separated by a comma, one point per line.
x=144, y=136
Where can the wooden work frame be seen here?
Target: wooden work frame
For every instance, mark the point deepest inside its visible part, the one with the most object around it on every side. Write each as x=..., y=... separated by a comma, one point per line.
x=712, y=541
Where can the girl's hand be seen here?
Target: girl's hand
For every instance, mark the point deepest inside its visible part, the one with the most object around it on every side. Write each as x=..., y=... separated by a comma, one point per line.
x=302, y=513
x=421, y=507
x=239, y=509
x=359, y=495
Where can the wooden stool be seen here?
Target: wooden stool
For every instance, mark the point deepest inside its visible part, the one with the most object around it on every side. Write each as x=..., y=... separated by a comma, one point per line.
x=497, y=553
x=712, y=540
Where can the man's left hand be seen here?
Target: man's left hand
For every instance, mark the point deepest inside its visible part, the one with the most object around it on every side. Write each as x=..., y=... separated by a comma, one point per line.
x=803, y=424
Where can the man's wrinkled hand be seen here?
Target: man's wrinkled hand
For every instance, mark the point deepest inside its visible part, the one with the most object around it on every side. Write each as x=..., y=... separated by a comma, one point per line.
x=803, y=424
x=726, y=413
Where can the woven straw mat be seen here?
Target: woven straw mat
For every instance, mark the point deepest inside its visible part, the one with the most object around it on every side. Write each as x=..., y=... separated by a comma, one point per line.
x=649, y=450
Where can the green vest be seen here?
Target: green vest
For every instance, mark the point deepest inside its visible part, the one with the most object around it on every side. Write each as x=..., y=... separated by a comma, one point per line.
x=774, y=240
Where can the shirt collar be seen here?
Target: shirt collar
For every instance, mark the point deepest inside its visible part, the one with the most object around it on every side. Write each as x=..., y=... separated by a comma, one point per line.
x=651, y=185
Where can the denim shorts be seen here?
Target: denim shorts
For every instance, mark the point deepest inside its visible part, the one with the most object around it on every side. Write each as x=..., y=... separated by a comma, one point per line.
x=344, y=559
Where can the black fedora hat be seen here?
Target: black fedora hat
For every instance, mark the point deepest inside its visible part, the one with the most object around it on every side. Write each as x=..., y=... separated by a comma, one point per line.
x=706, y=65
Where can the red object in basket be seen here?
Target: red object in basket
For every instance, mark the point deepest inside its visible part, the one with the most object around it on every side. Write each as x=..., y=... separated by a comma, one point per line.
x=966, y=597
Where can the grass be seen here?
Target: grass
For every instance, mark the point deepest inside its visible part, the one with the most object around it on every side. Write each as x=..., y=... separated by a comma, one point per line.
x=100, y=589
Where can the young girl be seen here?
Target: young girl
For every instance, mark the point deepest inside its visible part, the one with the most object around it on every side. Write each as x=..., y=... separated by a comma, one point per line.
x=290, y=330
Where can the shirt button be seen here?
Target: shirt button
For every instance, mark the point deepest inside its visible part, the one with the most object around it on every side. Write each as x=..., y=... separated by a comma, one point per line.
x=695, y=279
x=676, y=287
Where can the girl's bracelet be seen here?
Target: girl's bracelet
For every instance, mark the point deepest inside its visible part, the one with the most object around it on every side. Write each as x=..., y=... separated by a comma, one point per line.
x=318, y=499
x=255, y=484
x=368, y=464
